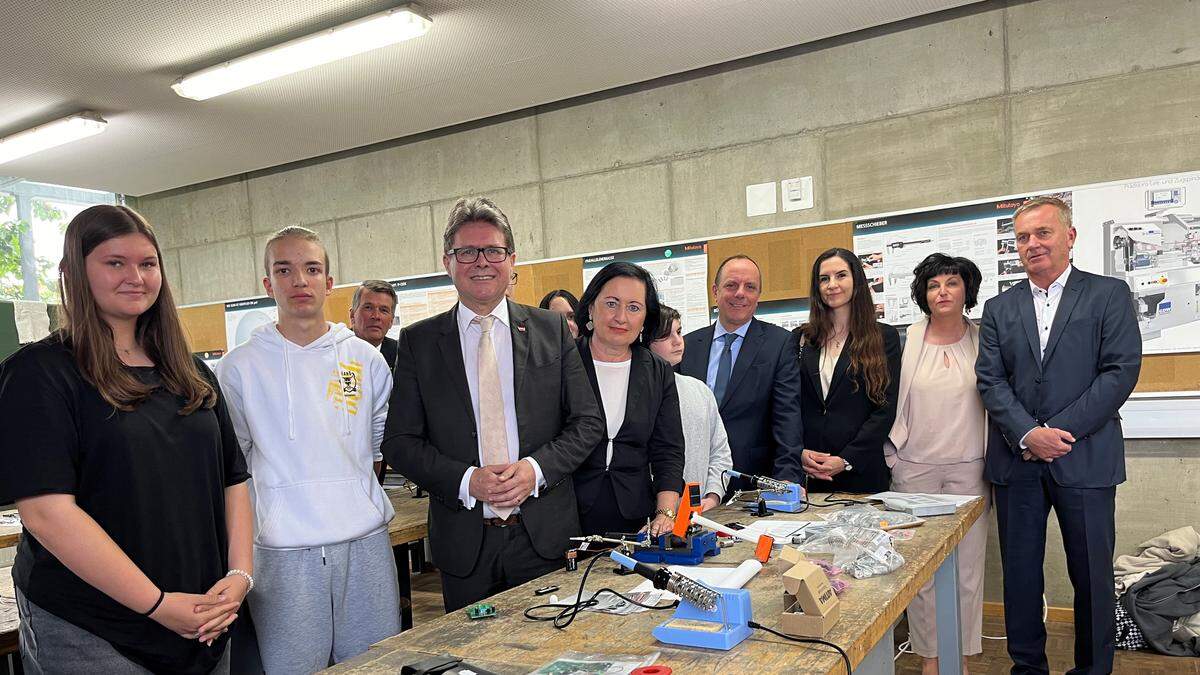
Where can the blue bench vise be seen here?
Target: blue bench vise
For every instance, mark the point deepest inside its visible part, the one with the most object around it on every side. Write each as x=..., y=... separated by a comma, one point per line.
x=673, y=550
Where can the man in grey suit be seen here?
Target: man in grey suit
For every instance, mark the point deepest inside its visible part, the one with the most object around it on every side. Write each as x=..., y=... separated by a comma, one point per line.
x=491, y=412
x=1058, y=356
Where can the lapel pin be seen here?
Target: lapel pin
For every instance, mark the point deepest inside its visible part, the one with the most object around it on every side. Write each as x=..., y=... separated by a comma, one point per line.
x=520, y=328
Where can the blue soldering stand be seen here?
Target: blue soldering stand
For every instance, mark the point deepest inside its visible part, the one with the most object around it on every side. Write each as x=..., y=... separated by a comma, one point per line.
x=722, y=628
x=789, y=501
x=700, y=546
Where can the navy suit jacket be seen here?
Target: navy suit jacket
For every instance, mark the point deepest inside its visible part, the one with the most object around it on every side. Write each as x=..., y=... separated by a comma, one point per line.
x=761, y=406
x=1091, y=364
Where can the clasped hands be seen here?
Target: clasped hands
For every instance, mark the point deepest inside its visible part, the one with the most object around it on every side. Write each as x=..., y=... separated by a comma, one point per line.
x=503, y=485
x=1047, y=444
x=203, y=617
x=821, y=465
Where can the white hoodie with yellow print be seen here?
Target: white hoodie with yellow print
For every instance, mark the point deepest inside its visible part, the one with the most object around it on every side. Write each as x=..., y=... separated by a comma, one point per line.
x=310, y=422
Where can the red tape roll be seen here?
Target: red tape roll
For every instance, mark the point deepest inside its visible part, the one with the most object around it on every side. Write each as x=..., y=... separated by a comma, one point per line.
x=652, y=670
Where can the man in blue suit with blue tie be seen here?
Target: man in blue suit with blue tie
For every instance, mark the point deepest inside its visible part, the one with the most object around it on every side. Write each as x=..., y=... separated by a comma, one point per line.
x=1058, y=356
x=752, y=370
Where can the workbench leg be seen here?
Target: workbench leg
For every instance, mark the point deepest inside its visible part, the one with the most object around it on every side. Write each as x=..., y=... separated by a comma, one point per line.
x=949, y=623
x=417, y=551
x=881, y=660
x=400, y=553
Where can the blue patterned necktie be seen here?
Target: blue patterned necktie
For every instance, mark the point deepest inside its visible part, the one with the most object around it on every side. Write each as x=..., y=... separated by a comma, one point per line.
x=724, y=366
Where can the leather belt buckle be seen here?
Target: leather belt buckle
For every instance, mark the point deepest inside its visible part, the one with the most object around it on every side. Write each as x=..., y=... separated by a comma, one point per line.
x=511, y=520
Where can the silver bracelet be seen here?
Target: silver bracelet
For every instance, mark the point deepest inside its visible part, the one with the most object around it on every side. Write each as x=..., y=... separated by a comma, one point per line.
x=243, y=574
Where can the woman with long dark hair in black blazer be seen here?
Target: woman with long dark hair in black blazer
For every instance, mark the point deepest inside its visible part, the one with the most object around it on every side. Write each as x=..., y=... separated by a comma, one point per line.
x=635, y=473
x=850, y=377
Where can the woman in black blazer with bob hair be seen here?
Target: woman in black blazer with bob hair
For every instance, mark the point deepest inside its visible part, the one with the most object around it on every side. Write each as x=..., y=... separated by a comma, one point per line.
x=850, y=378
x=635, y=473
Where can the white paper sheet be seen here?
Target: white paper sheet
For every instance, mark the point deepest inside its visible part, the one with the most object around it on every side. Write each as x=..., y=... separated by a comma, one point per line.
x=33, y=323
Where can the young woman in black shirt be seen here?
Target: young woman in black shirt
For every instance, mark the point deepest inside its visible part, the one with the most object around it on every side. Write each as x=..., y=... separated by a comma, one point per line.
x=131, y=487
x=849, y=379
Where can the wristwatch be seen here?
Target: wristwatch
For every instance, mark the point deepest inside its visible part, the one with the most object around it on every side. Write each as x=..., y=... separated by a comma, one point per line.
x=670, y=513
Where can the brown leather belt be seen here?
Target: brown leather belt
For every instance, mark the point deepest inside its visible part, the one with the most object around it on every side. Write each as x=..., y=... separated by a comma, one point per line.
x=512, y=519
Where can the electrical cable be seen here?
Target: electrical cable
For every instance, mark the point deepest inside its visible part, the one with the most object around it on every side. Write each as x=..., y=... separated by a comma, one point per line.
x=568, y=611
x=815, y=641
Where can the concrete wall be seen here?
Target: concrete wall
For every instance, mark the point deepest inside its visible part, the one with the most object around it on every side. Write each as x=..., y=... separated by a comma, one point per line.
x=995, y=98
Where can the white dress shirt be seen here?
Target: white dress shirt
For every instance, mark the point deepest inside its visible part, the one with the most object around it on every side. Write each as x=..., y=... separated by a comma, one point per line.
x=469, y=333
x=1045, y=306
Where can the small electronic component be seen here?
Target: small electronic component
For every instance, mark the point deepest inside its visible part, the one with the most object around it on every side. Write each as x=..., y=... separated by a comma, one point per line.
x=482, y=610
x=572, y=560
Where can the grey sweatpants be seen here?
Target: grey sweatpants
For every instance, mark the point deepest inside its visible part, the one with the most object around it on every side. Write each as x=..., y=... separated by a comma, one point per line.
x=315, y=607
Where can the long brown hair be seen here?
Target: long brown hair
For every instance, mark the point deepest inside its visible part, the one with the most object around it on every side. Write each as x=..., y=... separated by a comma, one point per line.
x=865, y=341
x=158, y=329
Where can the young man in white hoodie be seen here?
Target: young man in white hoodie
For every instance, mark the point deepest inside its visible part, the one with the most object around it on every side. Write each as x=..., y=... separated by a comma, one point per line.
x=308, y=401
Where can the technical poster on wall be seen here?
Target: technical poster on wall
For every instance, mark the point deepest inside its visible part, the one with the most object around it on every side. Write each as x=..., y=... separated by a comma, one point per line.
x=891, y=247
x=243, y=316
x=788, y=314
x=680, y=275
x=1146, y=232
x=419, y=298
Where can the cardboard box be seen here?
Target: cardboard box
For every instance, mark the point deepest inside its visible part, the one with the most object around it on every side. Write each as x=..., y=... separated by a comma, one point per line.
x=811, y=607
x=811, y=588
x=790, y=554
x=806, y=625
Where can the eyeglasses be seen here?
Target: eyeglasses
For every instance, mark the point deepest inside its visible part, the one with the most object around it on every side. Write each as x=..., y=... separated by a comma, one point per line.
x=469, y=254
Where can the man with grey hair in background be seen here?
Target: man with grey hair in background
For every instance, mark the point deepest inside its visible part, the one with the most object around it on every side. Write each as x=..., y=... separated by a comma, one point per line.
x=372, y=311
x=492, y=412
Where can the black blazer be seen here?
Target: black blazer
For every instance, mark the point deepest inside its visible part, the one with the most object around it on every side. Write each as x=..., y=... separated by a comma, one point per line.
x=388, y=349
x=847, y=423
x=1093, y=357
x=430, y=436
x=761, y=406
x=647, y=450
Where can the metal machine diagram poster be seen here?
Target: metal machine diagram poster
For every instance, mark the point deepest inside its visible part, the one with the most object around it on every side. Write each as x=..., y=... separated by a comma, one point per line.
x=419, y=298
x=680, y=274
x=243, y=316
x=1146, y=232
x=890, y=248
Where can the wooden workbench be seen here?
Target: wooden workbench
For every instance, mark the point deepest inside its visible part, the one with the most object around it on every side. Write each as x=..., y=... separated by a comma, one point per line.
x=9, y=535
x=511, y=644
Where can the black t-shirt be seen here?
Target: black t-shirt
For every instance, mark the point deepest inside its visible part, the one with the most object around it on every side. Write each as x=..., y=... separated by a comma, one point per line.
x=153, y=479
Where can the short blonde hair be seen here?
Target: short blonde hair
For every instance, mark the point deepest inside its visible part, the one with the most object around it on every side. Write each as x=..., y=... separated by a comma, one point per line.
x=1063, y=209
x=297, y=232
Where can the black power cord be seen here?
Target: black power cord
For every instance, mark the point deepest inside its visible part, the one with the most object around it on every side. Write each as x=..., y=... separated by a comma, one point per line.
x=816, y=641
x=567, y=612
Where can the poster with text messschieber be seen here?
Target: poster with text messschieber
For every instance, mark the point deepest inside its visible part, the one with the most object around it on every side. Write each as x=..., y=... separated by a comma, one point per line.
x=891, y=247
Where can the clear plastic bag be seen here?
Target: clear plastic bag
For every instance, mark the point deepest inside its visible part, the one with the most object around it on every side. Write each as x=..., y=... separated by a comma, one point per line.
x=864, y=515
x=861, y=552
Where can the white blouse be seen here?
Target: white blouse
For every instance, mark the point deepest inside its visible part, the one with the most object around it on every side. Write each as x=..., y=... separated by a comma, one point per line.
x=613, y=379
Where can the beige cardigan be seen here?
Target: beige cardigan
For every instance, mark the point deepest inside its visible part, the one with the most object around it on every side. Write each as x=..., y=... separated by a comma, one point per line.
x=914, y=339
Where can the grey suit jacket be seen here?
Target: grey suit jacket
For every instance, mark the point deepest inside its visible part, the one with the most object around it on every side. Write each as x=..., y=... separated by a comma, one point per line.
x=1091, y=364
x=430, y=436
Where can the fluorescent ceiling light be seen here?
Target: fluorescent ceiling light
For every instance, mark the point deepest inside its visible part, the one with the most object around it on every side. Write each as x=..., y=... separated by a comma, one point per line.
x=371, y=32
x=50, y=135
